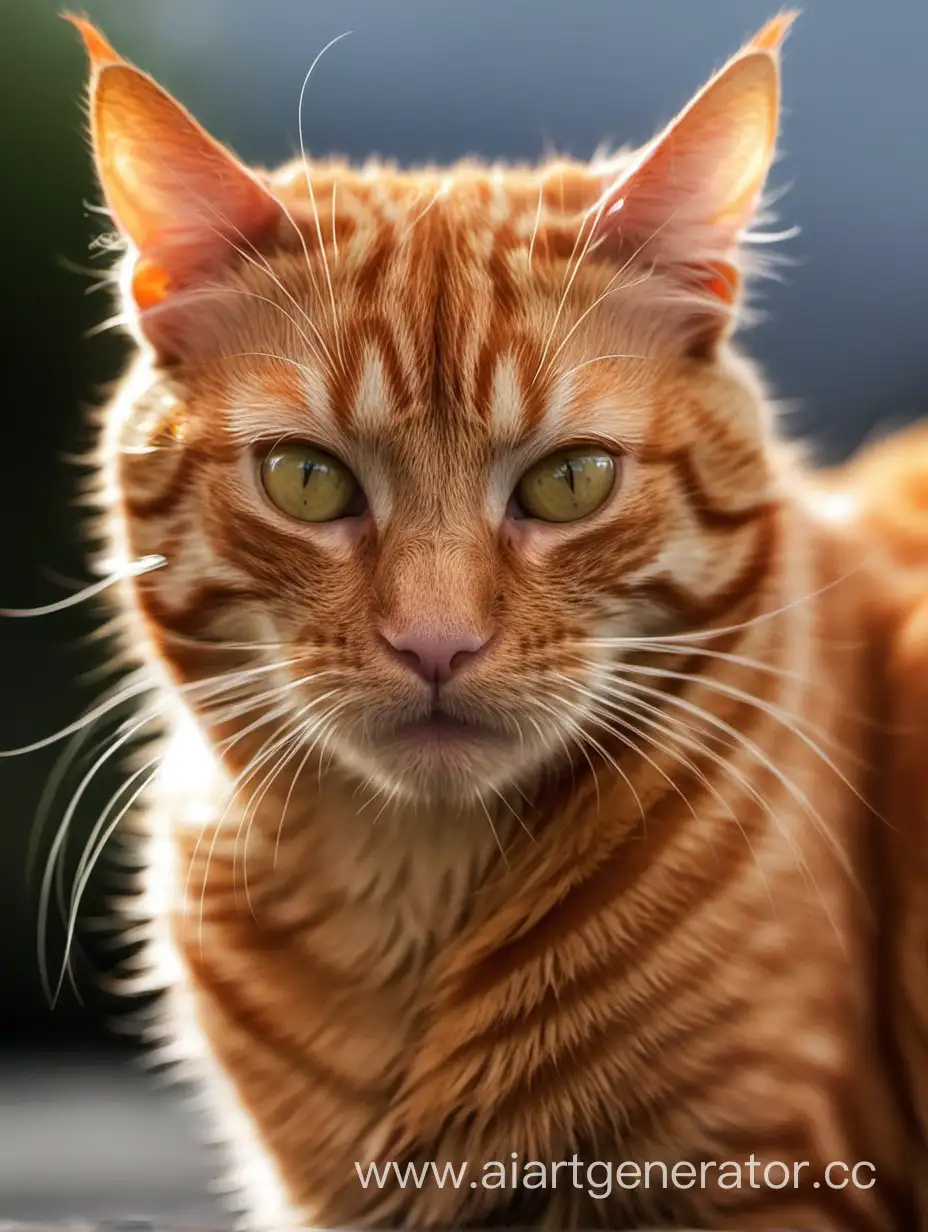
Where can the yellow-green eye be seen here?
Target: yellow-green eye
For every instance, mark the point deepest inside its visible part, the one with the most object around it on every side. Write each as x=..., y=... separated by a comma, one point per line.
x=567, y=485
x=309, y=485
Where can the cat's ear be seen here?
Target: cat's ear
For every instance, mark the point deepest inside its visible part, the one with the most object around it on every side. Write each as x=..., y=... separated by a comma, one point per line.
x=690, y=194
x=184, y=202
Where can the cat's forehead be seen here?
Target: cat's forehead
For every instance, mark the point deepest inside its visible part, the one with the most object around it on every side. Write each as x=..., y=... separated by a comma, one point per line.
x=466, y=193
x=389, y=239
x=435, y=311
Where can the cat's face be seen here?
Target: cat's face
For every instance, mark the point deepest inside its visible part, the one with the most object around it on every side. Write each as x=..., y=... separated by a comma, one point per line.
x=429, y=440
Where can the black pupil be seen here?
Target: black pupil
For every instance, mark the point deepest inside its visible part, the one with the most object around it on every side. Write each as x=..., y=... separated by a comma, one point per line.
x=308, y=468
x=569, y=474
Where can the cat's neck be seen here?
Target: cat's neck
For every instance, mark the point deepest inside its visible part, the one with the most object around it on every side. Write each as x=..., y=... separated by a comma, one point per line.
x=400, y=875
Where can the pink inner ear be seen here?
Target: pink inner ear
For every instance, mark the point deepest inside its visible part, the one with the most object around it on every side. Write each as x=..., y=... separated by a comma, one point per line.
x=695, y=188
x=771, y=36
x=98, y=48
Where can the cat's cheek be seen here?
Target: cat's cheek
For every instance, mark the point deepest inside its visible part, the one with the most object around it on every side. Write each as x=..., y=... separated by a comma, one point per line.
x=342, y=538
x=533, y=541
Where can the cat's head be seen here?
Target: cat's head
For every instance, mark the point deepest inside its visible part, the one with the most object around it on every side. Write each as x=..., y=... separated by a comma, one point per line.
x=432, y=440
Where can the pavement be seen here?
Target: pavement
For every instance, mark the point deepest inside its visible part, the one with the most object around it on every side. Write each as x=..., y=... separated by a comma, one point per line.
x=86, y=1139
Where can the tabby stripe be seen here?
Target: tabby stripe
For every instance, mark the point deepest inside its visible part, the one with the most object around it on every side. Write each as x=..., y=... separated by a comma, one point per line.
x=697, y=610
x=319, y=977
x=579, y=1069
x=369, y=276
x=231, y=997
x=615, y=1054
x=709, y=515
x=506, y=296
x=557, y=1002
x=196, y=612
x=164, y=501
x=521, y=351
x=358, y=337
x=264, y=544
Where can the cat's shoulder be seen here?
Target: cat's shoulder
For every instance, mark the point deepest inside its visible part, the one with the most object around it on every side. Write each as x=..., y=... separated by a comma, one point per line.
x=888, y=481
x=881, y=495
x=875, y=510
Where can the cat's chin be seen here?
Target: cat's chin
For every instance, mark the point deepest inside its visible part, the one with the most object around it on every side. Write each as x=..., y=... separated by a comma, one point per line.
x=440, y=757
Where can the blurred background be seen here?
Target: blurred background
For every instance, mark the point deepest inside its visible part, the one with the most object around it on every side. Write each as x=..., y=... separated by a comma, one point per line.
x=845, y=344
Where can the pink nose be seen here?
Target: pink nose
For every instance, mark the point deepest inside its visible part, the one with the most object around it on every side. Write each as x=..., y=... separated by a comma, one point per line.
x=436, y=657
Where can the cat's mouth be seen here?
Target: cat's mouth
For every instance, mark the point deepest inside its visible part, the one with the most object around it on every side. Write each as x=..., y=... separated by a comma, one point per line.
x=439, y=750
x=440, y=729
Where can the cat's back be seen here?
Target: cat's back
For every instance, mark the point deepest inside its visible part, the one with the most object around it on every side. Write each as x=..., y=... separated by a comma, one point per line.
x=875, y=508
x=877, y=505
x=889, y=483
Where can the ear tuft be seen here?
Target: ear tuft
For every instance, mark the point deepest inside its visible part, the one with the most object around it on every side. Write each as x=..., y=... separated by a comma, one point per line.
x=98, y=49
x=770, y=37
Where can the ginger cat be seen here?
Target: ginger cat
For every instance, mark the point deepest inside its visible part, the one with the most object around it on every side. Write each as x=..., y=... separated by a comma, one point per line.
x=544, y=767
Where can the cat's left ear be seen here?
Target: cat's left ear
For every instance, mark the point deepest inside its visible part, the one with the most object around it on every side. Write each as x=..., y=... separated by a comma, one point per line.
x=185, y=203
x=690, y=194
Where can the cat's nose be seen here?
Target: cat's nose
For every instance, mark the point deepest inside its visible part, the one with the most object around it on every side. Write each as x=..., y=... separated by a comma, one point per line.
x=436, y=656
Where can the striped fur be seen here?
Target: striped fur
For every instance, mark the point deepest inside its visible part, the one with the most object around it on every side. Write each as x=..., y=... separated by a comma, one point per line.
x=660, y=914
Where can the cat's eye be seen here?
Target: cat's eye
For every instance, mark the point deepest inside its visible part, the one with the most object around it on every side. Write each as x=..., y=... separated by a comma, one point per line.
x=567, y=485
x=310, y=485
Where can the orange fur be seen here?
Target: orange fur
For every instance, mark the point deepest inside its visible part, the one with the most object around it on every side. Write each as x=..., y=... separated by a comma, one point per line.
x=663, y=905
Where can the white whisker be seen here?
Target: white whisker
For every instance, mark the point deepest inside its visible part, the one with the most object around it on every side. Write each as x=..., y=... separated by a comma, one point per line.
x=499, y=795
x=132, y=569
x=258, y=260
x=271, y=747
x=791, y=722
x=603, y=752
x=541, y=197
x=99, y=836
x=598, y=359
x=288, y=750
x=675, y=728
x=694, y=635
x=483, y=805
x=309, y=187
x=45, y=889
x=268, y=749
x=760, y=756
x=334, y=228
x=610, y=289
x=439, y=192
x=572, y=274
x=266, y=299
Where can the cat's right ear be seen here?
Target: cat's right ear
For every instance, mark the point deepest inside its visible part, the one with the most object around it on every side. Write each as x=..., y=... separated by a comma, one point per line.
x=185, y=203
x=685, y=202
